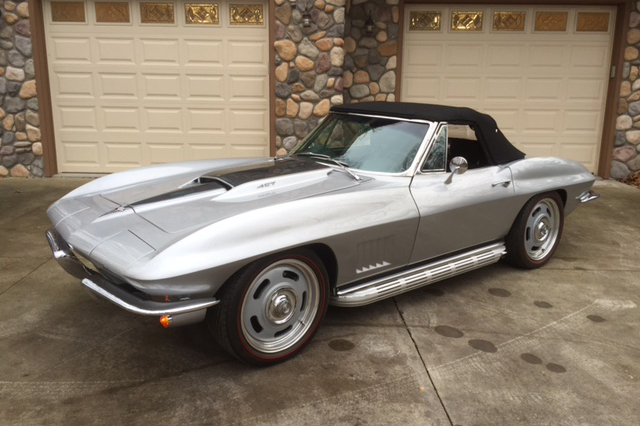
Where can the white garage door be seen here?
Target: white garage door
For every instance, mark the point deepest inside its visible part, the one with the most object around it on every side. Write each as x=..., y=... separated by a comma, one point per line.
x=136, y=83
x=540, y=71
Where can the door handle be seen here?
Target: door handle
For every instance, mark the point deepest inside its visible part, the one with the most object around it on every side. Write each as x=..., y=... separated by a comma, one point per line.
x=504, y=184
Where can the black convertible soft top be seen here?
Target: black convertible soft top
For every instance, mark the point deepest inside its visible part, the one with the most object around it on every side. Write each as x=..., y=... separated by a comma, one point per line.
x=496, y=145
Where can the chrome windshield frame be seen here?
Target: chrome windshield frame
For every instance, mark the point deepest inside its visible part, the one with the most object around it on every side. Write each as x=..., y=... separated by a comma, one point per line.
x=411, y=171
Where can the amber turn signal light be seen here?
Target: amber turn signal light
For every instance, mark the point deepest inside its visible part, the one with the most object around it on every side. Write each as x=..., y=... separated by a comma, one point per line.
x=165, y=320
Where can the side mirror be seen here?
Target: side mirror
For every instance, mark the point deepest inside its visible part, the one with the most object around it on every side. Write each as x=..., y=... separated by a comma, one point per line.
x=458, y=165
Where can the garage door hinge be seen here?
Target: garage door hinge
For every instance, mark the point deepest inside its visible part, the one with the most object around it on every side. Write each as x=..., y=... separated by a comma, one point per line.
x=613, y=71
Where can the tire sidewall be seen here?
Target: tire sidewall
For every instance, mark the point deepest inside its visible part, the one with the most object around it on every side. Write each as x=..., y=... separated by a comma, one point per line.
x=238, y=342
x=516, y=248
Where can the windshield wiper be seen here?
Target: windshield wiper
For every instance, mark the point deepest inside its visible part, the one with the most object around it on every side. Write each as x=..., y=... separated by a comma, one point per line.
x=344, y=166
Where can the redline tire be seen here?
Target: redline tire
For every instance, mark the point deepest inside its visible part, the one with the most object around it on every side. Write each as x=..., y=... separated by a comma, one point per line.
x=271, y=309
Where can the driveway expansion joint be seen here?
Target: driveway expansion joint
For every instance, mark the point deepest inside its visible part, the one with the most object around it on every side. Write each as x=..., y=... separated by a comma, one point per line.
x=424, y=364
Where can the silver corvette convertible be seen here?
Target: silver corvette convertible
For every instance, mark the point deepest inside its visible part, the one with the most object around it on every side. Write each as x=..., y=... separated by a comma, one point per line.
x=381, y=198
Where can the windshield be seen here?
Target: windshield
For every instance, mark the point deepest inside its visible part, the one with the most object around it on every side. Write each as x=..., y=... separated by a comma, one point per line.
x=366, y=143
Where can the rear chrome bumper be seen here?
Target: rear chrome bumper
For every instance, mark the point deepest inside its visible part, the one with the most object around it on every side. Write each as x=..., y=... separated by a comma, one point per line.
x=587, y=196
x=183, y=312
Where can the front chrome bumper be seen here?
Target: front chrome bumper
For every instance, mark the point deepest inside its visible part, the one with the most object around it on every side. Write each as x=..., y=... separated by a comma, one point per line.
x=183, y=312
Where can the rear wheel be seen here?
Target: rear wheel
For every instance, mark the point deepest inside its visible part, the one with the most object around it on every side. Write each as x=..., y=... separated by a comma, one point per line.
x=536, y=232
x=272, y=308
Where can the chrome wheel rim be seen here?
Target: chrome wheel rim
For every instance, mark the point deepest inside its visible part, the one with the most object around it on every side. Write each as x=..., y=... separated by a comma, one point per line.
x=543, y=227
x=280, y=306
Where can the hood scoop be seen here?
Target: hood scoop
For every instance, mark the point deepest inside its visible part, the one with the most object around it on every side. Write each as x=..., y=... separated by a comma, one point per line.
x=225, y=180
x=198, y=186
x=272, y=169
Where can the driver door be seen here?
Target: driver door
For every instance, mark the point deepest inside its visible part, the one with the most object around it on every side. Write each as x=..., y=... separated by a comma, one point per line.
x=459, y=211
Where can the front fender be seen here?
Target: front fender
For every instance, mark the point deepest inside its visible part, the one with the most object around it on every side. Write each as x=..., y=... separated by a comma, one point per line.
x=350, y=222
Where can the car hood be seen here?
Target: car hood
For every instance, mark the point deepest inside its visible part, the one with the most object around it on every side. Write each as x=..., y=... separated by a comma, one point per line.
x=126, y=223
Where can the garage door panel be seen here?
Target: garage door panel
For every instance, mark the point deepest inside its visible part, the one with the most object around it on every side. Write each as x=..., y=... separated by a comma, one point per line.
x=423, y=55
x=70, y=50
x=75, y=85
x=540, y=121
x=543, y=89
x=123, y=154
x=590, y=56
x=79, y=155
x=166, y=120
x=118, y=86
x=466, y=55
x=245, y=122
x=581, y=122
x=248, y=88
x=538, y=149
x=204, y=52
x=161, y=86
x=243, y=53
x=206, y=121
x=251, y=150
x=584, y=153
x=205, y=150
x=117, y=119
x=158, y=153
x=160, y=52
x=77, y=119
x=546, y=55
x=501, y=55
x=115, y=51
x=245, y=146
x=590, y=90
x=501, y=89
x=463, y=89
x=421, y=89
x=205, y=87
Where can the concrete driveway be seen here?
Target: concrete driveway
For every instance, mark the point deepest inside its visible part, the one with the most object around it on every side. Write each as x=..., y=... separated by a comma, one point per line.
x=499, y=346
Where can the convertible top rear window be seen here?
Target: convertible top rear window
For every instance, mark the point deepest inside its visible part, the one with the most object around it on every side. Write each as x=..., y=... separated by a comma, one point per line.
x=366, y=143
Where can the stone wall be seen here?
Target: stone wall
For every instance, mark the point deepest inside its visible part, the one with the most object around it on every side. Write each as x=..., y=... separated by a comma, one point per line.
x=308, y=65
x=627, y=142
x=371, y=59
x=21, y=149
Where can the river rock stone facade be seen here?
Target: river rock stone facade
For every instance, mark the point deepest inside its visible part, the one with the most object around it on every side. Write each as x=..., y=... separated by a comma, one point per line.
x=331, y=61
x=308, y=66
x=626, y=158
x=20, y=148
x=371, y=57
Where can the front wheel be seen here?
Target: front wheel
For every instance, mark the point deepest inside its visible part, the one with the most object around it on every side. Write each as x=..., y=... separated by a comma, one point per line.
x=536, y=232
x=272, y=308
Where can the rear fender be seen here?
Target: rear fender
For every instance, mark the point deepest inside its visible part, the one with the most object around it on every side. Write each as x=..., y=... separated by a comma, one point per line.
x=536, y=175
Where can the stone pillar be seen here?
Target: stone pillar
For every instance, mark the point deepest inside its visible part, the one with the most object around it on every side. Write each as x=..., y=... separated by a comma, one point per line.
x=20, y=148
x=308, y=66
x=371, y=59
x=627, y=142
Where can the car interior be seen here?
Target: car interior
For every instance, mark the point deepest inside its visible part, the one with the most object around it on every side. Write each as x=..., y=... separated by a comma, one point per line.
x=463, y=142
